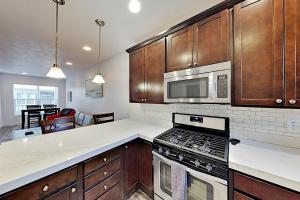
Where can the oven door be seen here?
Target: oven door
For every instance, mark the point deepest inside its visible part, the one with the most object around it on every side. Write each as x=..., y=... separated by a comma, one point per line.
x=200, y=186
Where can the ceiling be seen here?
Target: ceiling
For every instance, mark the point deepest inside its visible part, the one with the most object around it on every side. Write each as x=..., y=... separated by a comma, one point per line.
x=28, y=29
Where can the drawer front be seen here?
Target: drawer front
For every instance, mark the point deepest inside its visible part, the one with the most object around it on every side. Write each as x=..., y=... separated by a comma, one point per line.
x=262, y=190
x=70, y=193
x=101, y=160
x=101, y=174
x=113, y=194
x=239, y=196
x=103, y=187
x=46, y=186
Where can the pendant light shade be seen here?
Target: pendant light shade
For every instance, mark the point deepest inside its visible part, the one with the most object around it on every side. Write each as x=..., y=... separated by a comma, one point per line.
x=99, y=78
x=55, y=71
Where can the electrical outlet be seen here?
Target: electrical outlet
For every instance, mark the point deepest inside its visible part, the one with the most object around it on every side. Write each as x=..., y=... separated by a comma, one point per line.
x=293, y=124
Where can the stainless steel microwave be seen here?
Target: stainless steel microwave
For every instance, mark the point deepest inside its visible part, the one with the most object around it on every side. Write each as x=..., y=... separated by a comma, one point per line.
x=205, y=84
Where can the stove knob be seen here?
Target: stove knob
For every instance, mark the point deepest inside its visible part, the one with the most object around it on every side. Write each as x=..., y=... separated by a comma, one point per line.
x=209, y=167
x=167, y=152
x=197, y=163
x=181, y=157
x=160, y=150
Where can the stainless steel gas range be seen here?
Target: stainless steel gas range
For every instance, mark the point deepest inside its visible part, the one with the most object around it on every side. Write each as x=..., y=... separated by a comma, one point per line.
x=199, y=145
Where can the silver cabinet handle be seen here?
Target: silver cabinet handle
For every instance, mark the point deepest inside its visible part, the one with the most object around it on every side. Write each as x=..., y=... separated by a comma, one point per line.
x=45, y=188
x=105, y=173
x=278, y=101
x=195, y=64
x=292, y=101
x=126, y=147
x=189, y=65
x=104, y=159
x=145, y=100
x=105, y=187
x=73, y=190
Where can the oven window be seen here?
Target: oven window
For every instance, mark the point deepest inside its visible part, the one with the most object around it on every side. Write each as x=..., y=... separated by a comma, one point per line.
x=191, y=88
x=198, y=189
x=165, y=178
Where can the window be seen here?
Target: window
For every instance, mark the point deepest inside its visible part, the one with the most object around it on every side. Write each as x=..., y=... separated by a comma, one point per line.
x=33, y=95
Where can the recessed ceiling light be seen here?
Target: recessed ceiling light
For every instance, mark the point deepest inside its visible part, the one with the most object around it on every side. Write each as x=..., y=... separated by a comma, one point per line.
x=134, y=6
x=87, y=48
x=24, y=73
x=69, y=63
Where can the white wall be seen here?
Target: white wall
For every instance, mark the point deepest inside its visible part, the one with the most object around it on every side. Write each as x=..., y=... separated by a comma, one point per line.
x=116, y=96
x=7, y=99
x=1, y=123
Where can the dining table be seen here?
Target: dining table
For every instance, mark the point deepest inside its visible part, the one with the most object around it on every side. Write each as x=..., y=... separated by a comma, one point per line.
x=23, y=113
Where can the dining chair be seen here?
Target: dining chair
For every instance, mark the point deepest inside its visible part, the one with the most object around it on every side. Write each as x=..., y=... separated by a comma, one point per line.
x=33, y=116
x=104, y=118
x=56, y=125
x=51, y=110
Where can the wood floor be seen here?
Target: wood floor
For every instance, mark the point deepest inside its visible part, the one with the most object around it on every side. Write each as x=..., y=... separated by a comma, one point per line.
x=139, y=195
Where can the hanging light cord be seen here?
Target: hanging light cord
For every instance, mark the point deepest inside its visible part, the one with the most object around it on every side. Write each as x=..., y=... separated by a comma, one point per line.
x=56, y=35
x=99, y=49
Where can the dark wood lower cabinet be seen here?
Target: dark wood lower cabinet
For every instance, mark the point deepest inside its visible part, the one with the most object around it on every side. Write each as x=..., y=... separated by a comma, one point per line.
x=245, y=187
x=113, y=175
x=145, y=167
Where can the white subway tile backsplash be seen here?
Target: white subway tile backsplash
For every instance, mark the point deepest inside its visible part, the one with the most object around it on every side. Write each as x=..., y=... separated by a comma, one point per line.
x=261, y=124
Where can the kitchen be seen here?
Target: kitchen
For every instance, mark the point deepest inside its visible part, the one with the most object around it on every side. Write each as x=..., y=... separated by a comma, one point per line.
x=213, y=116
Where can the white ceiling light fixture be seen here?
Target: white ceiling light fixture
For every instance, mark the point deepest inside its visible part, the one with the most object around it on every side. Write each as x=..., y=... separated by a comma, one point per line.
x=99, y=78
x=134, y=6
x=24, y=73
x=55, y=71
x=69, y=63
x=87, y=48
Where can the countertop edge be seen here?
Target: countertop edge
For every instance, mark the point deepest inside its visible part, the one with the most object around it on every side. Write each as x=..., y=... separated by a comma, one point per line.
x=277, y=180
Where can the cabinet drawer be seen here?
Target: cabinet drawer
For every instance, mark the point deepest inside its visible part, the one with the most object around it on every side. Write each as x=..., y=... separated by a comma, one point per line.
x=98, y=176
x=113, y=194
x=45, y=186
x=239, y=196
x=70, y=193
x=103, y=187
x=261, y=189
x=101, y=160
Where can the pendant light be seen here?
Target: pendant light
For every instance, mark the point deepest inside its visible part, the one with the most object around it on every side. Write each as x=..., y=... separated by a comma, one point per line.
x=55, y=71
x=99, y=78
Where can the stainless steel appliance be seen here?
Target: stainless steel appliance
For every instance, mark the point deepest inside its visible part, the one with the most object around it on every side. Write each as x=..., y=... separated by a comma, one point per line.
x=205, y=84
x=200, y=143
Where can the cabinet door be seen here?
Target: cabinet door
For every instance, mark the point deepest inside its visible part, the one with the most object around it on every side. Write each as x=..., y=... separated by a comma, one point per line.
x=258, y=42
x=292, y=53
x=145, y=167
x=211, y=40
x=180, y=49
x=154, y=71
x=240, y=196
x=70, y=193
x=137, y=75
x=130, y=168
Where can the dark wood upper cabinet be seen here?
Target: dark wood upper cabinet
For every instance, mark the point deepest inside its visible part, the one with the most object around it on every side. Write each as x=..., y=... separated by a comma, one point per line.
x=258, y=53
x=211, y=40
x=130, y=168
x=145, y=167
x=154, y=71
x=292, y=53
x=180, y=49
x=137, y=76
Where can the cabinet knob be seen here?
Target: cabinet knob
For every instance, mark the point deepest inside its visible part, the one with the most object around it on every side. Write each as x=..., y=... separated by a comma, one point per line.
x=104, y=159
x=105, y=173
x=73, y=190
x=126, y=147
x=105, y=187
x=142, y=100
x=292, y=101
x=145, y=100
x=278, y=101
x=45, y=188
x=195, y=64
x=189, y=65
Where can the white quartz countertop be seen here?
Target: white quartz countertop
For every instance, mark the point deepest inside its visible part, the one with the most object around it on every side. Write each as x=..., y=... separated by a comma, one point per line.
x=273, y=163
x=27, y=160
